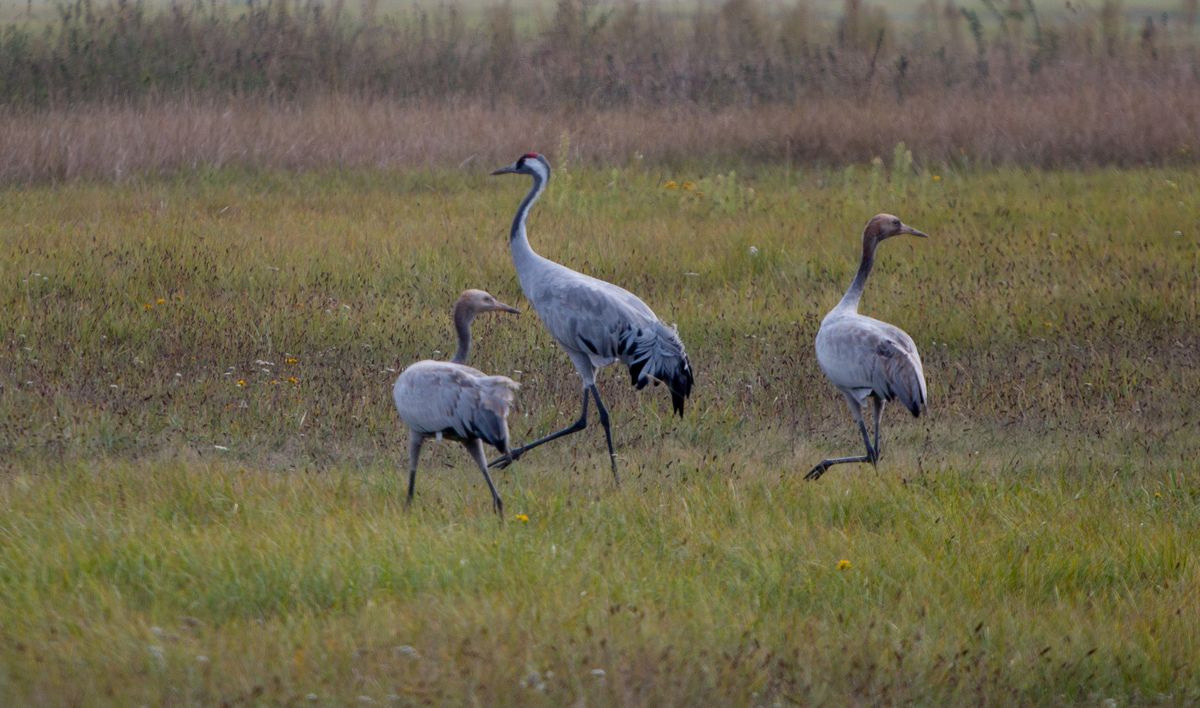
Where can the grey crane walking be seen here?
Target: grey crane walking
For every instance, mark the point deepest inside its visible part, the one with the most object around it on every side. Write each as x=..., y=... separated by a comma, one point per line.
x=865, y=358
x=595, y=322
x=450, y=399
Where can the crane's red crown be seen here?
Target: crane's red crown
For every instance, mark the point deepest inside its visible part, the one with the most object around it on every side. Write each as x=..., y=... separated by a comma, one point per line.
x=530, y=155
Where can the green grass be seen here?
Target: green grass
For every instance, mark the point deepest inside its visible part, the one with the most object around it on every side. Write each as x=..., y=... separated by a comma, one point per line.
x=1031, y=540
x=690, y=587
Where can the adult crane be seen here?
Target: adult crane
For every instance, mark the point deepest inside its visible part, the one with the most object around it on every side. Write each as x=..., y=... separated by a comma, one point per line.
x=596, y=323
x=865, y=358
x=450, y=399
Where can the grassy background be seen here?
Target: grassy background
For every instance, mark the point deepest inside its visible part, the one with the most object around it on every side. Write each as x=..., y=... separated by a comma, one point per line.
x=1028, y=541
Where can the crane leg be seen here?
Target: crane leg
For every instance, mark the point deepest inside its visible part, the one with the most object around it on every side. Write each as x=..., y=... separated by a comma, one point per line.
x=612, y=456
x=872, y=456
x=877, y=405
x=475, y=448
x=506, y=460
x=415, y=441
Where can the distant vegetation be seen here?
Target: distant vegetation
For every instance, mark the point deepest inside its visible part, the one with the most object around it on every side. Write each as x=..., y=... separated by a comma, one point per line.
x=111, y=90
x=585, y=53
x=582, y=52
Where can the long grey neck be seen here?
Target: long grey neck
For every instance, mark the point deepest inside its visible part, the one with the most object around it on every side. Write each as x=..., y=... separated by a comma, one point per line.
x=462, y=325
x=854, y=293
x=518, y=242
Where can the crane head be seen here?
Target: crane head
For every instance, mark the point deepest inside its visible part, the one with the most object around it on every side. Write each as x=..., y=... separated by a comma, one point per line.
x=884, y=226
x=531, y=163
x=477, y=301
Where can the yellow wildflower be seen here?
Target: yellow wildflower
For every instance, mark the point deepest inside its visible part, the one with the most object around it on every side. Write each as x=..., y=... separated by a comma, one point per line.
x=160, y=301
x=523, y=518
x=937, y=178
x=689, y=186
x=843, y=564
x=148, y=306
x=241, y=383
x=291, y=361
x=293, y=380
x=671, y=185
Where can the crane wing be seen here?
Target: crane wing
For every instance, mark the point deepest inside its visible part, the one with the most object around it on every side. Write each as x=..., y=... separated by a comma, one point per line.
x=604, y=323
x=861, y=355
x=899, y=374
x=585, y=314
x=440, y=397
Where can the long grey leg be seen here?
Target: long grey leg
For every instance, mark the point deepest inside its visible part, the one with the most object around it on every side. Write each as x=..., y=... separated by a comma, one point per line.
x=475, y=447
x=505, y=460
x=415, y=440
x=612, y=456
x=823, y=465
x=877, y=404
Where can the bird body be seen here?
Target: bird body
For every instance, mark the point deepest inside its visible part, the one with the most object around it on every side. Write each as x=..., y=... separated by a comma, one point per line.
x=455, y=401
x=448, y=399
x=865, y=358
x=602, y=323
x=595, y=322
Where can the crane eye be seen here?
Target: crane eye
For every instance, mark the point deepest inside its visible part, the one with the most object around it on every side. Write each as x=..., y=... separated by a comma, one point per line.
x=895, y=222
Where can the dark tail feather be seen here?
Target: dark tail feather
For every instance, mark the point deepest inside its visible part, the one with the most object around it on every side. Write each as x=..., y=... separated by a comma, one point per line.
x=656, y=354
x=680, y=384
x=635, y=371
x=490, y=428
x=915, y=406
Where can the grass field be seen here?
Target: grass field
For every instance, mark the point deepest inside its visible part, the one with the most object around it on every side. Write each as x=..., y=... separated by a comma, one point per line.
x=201, y=465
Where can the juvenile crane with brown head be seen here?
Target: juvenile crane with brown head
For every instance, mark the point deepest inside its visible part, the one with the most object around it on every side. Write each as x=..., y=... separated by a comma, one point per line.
x=452, y=400
x=865, y=358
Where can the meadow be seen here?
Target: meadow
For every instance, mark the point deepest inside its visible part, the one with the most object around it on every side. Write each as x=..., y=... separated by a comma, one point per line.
x=202, y=479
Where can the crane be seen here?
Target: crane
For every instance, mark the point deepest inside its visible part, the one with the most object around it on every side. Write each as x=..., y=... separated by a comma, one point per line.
x=865, y=358
x=450, y=399
x=596, y=323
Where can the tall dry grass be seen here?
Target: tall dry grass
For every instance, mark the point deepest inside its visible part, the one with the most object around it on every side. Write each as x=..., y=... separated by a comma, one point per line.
x=582, y=52
x=1087, y=125
x=118, y=89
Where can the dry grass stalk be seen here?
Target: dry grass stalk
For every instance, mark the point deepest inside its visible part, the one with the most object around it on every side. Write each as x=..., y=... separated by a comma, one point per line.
x=1090, y=124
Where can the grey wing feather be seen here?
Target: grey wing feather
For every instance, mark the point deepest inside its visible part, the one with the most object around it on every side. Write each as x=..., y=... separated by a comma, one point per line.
x=584, y=314
x=899, y=372
x=606, y=323
x=440, y=397
x=861, y=355
x=490, y=419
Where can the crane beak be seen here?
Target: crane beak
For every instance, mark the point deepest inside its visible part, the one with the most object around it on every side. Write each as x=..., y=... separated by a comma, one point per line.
x=506, y=170
x=507, y=308
x=906, y=229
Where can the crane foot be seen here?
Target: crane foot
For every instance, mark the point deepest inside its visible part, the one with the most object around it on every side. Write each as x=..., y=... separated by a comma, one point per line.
x=816, y=472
